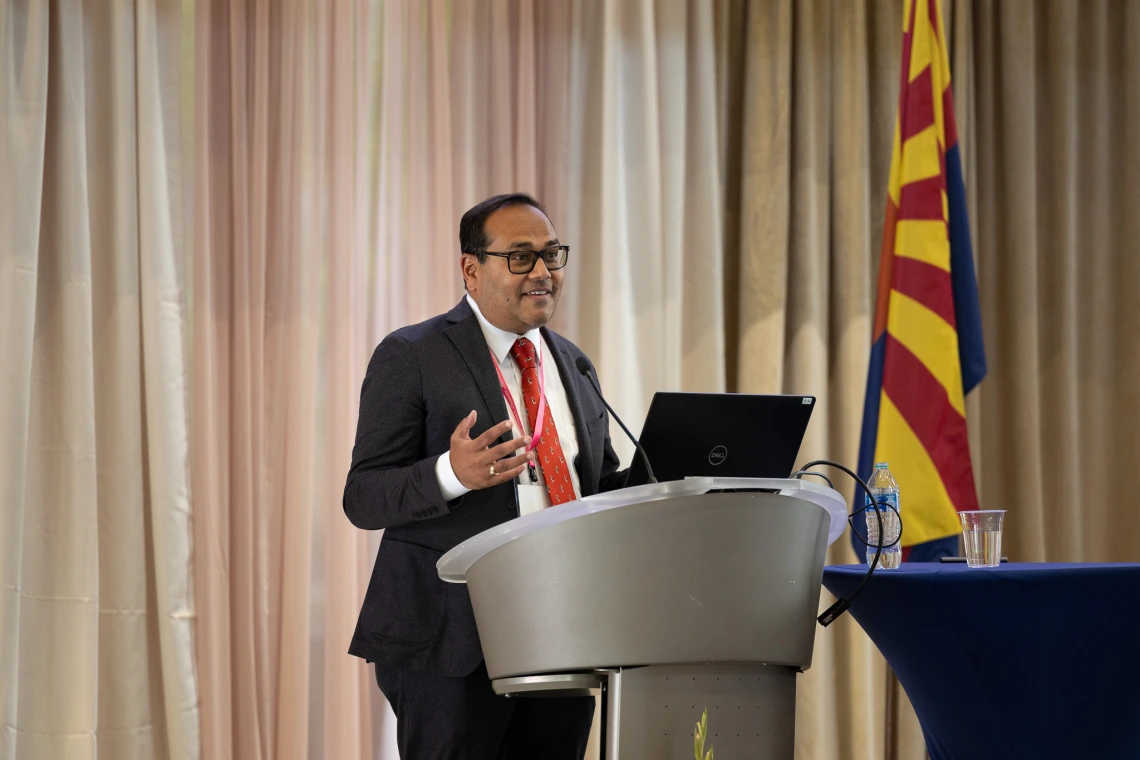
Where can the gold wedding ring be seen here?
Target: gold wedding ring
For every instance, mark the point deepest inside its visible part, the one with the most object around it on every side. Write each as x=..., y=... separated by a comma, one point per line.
x=492, y=470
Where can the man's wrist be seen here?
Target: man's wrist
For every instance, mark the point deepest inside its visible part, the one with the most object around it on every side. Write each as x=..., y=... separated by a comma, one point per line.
x=449, y=484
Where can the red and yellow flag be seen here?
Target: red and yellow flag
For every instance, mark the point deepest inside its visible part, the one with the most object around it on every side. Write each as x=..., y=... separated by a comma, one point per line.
x=927, y=351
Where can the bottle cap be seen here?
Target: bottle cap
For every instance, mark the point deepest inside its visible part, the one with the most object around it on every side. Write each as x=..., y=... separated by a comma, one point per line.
x=880, y=465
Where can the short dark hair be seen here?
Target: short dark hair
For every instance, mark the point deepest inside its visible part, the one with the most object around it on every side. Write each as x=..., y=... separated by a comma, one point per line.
x=472, y=233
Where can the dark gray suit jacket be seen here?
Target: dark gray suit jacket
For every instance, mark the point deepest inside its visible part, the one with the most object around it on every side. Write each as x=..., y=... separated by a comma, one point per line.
x=421, y=382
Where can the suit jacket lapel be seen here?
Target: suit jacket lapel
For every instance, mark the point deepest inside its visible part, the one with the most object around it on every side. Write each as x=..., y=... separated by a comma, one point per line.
x=468, y=339
x=569, y=374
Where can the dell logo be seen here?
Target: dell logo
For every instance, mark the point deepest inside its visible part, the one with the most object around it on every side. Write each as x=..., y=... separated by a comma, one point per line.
x=718, y=455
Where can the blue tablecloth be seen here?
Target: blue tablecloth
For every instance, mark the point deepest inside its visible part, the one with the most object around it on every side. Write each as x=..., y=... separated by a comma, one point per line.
x=1019, y=661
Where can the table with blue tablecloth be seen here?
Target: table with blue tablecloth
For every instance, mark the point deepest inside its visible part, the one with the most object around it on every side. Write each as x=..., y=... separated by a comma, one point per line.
x=1024, y=660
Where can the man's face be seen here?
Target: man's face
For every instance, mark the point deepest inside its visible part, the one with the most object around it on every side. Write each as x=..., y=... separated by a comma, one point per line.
x=514, y=302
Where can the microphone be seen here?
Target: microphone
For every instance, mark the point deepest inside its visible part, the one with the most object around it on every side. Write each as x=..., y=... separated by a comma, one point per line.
x=583, y=366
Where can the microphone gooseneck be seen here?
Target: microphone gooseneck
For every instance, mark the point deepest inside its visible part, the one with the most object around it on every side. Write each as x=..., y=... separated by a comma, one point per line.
x=584, y=367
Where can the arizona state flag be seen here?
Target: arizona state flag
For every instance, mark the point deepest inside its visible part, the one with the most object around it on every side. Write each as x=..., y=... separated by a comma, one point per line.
x=927, y=351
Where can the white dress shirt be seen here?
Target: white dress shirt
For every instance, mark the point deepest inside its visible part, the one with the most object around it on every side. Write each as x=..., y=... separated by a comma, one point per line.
x=500, y=342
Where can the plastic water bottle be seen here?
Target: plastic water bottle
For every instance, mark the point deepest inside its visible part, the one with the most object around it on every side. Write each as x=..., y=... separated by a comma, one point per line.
x=885, y=492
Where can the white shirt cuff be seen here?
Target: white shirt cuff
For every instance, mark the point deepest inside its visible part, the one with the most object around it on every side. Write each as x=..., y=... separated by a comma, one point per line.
x=449, y=485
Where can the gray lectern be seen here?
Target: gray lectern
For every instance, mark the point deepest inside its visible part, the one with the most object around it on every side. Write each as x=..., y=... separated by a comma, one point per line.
x=670, y=598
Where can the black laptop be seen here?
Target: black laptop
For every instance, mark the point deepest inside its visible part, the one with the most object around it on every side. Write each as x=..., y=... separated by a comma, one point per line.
x=735, y=435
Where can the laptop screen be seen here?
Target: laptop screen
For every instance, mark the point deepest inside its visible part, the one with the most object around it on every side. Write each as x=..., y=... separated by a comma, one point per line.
x=734, y=435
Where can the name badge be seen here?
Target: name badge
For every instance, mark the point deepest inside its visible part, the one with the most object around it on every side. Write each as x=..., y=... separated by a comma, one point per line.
x=532, y=499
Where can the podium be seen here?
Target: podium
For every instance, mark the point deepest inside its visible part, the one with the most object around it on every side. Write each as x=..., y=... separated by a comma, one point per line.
x=667, y=598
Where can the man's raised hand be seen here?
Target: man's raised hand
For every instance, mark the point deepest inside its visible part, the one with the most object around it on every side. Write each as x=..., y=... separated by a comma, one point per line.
x=474, y=459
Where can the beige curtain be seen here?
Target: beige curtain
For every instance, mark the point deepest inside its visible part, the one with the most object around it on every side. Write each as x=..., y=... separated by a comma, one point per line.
x=95, y=590
x=721, y=172
x=280, y=239
x=1046, y=96
x=1054, y=175
x=815, y=85
x=605, y=110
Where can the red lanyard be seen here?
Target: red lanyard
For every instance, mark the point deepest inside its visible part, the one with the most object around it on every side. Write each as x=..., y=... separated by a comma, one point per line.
x=511, y=401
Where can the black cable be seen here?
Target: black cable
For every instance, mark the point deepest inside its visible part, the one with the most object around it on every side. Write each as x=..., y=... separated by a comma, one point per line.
x=864, y=541
x=830, y=615
x=799, y=473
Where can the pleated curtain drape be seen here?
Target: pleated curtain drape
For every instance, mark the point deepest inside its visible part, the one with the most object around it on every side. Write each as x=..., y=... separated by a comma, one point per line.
x=279, y=328
x=720, y=172
x=96, y=596
x=190, y=290
x=1054, y=174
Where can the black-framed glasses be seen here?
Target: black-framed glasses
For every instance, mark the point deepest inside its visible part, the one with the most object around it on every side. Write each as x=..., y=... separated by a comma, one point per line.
x=523, y=262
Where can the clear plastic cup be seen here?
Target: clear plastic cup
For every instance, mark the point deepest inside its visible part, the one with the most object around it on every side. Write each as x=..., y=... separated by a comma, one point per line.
x=981, y=532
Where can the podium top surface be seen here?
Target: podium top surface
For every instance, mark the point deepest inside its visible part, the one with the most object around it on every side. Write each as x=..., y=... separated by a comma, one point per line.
x=453, y=565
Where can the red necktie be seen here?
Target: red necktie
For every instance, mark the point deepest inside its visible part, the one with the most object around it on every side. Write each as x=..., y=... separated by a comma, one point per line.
x=555, y=470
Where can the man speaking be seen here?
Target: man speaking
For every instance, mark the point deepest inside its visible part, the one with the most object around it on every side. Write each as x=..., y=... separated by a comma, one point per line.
x=466, y=421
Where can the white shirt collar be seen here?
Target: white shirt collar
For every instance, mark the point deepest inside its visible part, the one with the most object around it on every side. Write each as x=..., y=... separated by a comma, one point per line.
x=500, y=341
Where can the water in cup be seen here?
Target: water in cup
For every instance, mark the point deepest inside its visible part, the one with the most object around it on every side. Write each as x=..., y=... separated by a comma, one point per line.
x=983, y=547
x=981, y=532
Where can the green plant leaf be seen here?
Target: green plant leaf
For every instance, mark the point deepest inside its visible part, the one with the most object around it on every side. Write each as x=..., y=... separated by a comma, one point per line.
x=700, y=734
